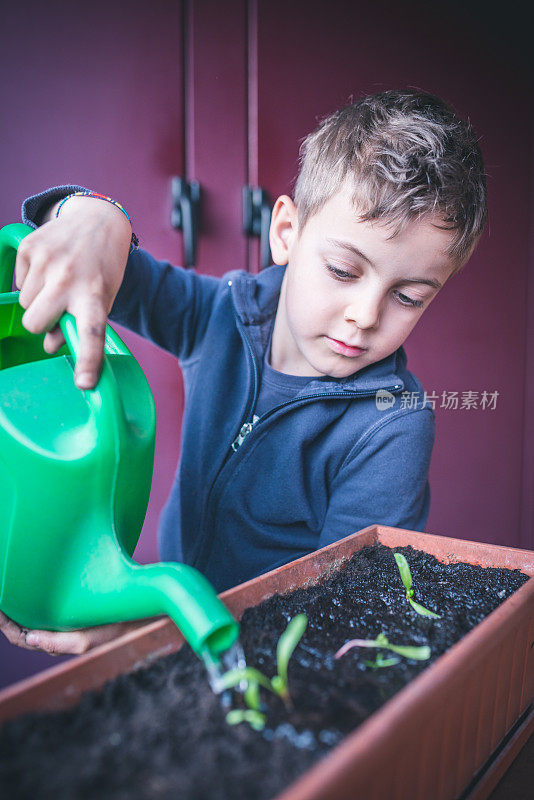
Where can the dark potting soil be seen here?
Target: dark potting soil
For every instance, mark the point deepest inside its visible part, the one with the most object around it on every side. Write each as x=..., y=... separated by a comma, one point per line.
x=161, y=733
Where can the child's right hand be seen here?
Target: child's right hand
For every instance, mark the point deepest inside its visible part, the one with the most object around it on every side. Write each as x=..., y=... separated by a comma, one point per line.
x=74, y=263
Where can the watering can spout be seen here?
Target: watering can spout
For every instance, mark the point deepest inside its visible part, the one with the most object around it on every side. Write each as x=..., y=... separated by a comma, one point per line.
x=187, y=598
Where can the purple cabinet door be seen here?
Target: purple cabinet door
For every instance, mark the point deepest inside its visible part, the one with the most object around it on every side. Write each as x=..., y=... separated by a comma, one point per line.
x=305, y=60
x=216, y=127
x=95, y=97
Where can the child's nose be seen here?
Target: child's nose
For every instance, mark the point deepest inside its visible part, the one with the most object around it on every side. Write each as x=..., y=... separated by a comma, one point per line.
x=364, y=310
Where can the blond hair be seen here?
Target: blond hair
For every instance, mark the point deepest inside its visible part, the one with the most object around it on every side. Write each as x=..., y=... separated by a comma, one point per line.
x=407, y=155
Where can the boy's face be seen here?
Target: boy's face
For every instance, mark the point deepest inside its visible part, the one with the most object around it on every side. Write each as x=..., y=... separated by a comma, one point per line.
x=347, y=286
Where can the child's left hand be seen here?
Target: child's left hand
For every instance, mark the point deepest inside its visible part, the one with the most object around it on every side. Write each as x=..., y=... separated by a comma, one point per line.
x=65, y=642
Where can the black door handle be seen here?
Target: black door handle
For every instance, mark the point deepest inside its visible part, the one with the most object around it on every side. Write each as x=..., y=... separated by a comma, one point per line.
x=257, y=211
x=185, y=215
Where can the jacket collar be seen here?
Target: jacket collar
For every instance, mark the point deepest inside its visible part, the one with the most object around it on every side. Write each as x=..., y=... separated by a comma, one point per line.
x=256, y=301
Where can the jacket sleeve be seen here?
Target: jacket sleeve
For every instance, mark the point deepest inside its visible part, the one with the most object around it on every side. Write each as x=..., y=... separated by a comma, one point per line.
x=168, y=305
x=35, y=206
x=384, y=480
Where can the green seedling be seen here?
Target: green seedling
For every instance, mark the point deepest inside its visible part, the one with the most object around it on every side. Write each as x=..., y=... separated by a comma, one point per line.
x=406, y=577
x=277, y=685
x=254, y=718
x=284, y=650
x=380, y=662
x=254, y=679
x=417, y=653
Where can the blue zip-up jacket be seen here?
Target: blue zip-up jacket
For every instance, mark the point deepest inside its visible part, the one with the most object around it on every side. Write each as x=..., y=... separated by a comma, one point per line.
x=312, y=470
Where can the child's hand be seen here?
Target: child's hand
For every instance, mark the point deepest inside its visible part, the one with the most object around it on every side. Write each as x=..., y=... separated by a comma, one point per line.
x=74, y=263
x=68, y=642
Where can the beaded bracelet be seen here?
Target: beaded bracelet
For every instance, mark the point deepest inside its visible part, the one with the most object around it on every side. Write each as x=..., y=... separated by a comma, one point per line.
x=134, y=241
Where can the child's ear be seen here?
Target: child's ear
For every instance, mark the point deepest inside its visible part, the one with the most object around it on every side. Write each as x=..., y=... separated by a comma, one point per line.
x=284, y=229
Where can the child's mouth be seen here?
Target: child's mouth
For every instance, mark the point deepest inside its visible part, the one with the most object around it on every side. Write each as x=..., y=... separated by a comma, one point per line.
x=344, y=349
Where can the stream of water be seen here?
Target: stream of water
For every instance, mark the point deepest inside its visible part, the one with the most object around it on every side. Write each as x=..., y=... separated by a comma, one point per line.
x=231, y=659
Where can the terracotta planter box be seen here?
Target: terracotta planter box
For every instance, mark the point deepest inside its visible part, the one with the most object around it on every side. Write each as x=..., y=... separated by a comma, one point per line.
x=450, y=733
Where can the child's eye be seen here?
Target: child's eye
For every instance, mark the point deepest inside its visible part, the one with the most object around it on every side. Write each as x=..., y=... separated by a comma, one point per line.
x=404, y=300
x=340, y=274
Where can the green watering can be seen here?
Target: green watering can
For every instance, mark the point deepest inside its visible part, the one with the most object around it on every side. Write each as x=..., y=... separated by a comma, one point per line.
x=75, y=474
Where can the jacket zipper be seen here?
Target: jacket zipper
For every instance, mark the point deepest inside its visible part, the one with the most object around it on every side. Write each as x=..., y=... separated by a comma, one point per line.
x=203, y=527
x=247, y=427
x=243, y=432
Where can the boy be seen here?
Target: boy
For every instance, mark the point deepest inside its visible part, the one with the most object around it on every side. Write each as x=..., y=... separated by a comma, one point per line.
x=295, y=430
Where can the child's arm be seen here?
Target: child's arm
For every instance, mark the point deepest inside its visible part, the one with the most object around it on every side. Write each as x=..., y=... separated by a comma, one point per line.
x=384, y=479
x=168, y=305
x=74, y=263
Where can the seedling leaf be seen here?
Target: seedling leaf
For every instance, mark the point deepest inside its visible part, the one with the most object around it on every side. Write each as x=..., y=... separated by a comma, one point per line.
x=417, y=653
x=380, y=661
x=234, y=677
x=422, y=610
x=404, y=569
x=255, y=719
x=284, y=649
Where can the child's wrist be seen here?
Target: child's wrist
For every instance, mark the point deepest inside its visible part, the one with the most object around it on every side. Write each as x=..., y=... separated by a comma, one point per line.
x=106, y=208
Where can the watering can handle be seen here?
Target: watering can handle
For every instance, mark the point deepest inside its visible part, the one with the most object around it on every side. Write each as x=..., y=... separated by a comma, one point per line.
x=10, y=238
x=104, y=400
